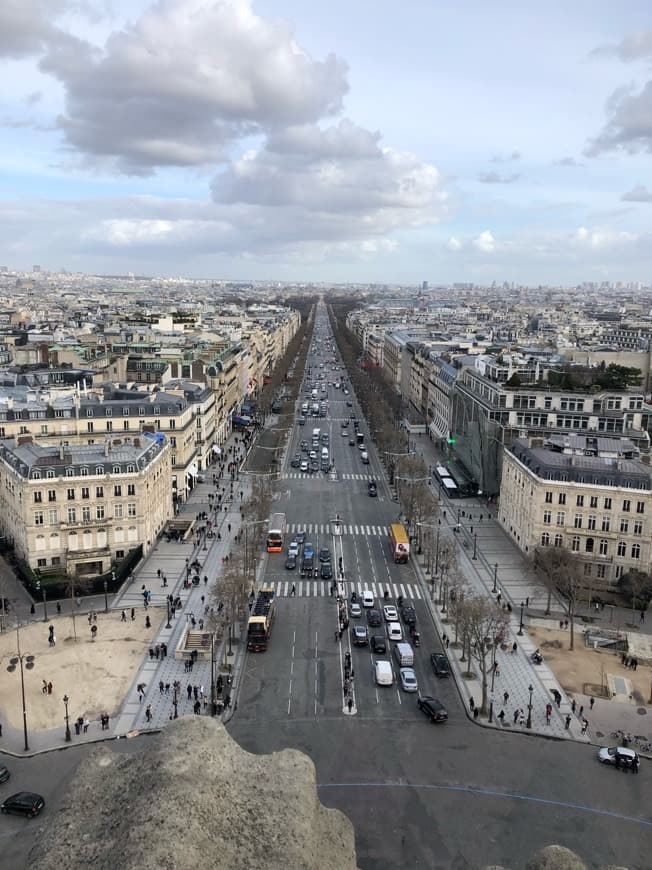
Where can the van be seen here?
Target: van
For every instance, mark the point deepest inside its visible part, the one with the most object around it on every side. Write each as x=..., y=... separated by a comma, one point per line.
x=404, y=655
x=384, y=674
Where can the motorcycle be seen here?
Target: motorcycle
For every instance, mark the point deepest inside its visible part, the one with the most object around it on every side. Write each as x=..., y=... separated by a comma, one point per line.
x=416, y=639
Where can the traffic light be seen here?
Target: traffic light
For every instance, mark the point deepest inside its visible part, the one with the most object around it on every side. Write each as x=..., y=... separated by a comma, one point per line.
x=450, y=441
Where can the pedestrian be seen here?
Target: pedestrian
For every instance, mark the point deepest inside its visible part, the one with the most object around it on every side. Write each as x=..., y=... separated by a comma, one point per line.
x=350, y=704
x=205, y=580
x=591, y=703
x=561, y=624
x=133, y=613
x=471, y=704
x=521, y=717
x=581, y=710
x=548, y=713
x=573, y=705
x=86, y=724
x=501, y=717
x=148, y=623
x=294, y=590
x=585, y=725
x=505, y=697
x=189, y=690
x=167, y=688
x=514, y=648
x=642, y=618
x=567, y=721
x=49, y=688
x=197, y=708
x=565, y=624
x=148, y=713
x=58, y=607
x=45, y=687
x=161, y=686
x=123, y=616
x=158, y=571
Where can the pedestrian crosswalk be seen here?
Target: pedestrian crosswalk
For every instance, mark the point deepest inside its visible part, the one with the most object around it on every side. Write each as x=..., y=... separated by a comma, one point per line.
x=347, y=529
x=322, y=589
x=295, y=475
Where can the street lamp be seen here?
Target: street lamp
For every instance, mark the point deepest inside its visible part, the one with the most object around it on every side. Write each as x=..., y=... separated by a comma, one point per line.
x=169, y=624
x=29, y=664
x=475, y=546
x=106, y=589
x=175, y=701
x=528, y=724
x=213, y=698
x=65, y=702
x=495, y=589
x=520, y=628
x=41, y=588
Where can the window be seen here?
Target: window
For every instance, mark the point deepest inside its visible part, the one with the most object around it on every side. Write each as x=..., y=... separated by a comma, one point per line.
x=578, y=521
x=591, y=522
x=562, y=498
x=636, y=551
x=548, y=498
x=131, y=469
x=39, y=518
x=588, y=569
x=83, y=471
x=575, y=544
x=131, y=489
x=604, y=547
x=589, y=545
x=116, y=469
x=131, y=510
x=125, y=425
x=86, y=493
x=558, y=540
x=41, y=563
x=52, y=495
x=71, y=495
x=70, y=472
x=624, y=526
x=99, y=512
x=117, y=511
x=44, y=429
x=117, y=491
x=622, y=548
x=547, y=518
x=640, y=507
x=561, y=518
x=99, y=492
x=89, y=427
x=109, y=426
x=72, y=515
x=594, y=501
x=38, y=497
x=50, y=473
x=86, y=514
x=627, y=505
x=602, y=571
x=119, y=554
x=607, y=504
x=99, y=469
x=53, y=517
x=580, y=501
x=638, y=527
x=545, y=539
x=606, y=524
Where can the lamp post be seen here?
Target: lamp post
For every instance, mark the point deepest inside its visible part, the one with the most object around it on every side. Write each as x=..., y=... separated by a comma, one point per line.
x=475, y=546
x=495, y=589
x=213, y=699
x=493, y=679
x=528, y=724
x=169, y=623
x=11, y=667
x=65, y=703
x=520, y=628
x=230, y=649
x=106, y=591
x=175, y=701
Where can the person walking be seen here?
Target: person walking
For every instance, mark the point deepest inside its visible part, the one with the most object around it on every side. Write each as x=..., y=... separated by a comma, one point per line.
x=548, y=713
x=148, y=622
x=591, y=703
x=505, y=697
x=148, y=713
x=293, y=590
x=585, y=726
x=567, y=721
x=501, y=717
x=350, y=704
x=123, y=616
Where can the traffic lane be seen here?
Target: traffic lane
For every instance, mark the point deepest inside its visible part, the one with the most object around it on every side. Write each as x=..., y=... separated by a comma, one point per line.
x=415, y=792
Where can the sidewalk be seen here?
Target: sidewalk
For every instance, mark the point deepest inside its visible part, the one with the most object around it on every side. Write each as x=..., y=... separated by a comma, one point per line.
x=487, y=556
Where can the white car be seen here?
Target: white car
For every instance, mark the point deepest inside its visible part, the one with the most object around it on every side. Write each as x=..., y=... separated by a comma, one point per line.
x=408, y=680
x=293, y=549
x=304, y=466
x=313, y=454
x=390, y=613
x=355, y=610
x=394, y=631
x=367, y=598
x=627, y=757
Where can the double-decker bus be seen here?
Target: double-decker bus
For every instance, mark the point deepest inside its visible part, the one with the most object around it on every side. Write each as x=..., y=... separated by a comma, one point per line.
x=276, y=533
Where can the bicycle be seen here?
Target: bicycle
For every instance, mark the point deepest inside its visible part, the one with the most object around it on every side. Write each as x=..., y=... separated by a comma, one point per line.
x=619, y=734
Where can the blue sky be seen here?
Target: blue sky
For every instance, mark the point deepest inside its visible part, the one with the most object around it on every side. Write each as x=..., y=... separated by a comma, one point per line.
x=343, y=141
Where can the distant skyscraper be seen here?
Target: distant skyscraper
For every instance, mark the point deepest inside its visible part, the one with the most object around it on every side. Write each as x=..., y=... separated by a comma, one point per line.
x=424, y=285
x=36, y=268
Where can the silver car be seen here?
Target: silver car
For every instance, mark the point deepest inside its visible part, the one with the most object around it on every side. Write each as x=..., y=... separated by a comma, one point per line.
x=408, y=680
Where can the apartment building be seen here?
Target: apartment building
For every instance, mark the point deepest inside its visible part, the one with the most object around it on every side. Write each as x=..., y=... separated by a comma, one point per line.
x=587, y=493
x=79, y=509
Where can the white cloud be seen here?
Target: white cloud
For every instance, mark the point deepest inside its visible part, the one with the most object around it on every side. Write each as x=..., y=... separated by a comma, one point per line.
x=485, y=242
x=506, y=158
x=454, y=244
x=497, y=178
x=639, y=193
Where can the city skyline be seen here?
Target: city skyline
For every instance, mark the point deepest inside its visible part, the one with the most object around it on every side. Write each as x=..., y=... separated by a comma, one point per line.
x=270, y=140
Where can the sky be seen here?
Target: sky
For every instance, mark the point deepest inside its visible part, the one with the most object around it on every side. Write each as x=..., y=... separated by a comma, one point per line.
x=336, y=141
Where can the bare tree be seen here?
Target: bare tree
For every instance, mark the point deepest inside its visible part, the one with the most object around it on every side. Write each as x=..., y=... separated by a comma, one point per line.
x=447, y=564
x=562, y=571
x=485, y=623
x=638, y=586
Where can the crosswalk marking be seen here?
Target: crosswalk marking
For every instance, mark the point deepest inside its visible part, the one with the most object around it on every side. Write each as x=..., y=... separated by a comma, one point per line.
x=321, y=588
x=350, y=529
x=304, y=475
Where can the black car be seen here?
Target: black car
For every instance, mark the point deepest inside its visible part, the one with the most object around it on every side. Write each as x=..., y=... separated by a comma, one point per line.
x=374, y=617
x=378, y=643
x=324, y=554
x=326, y=571
x=349, y=403
x=291, y=563
x=314, y=466
x=359, y=634
x=296, y=461
x=440, y=664
x=23, y=803
x=351, y=442
x=433, y=708
x=408, y=614
x=372, y=488
x=308, y=566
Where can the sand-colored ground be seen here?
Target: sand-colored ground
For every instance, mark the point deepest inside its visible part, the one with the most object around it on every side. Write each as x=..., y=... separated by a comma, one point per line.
x=583, y=666
x=95, y=675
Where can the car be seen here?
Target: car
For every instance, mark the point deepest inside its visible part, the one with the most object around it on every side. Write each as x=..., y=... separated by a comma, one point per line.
x=324, y=554
x=308, y=550
x=440, y=664
x=349, y=403
x=364, y=456
x=625, y=758
x=314, y=466
x=378, y=643
x=408, y=680
x=359, y=634
x=351, y=442
x=326, y=571
x=304, y=446
x=313, y=454
x=304, y=465
x=4, y=773
x=307, y=565
x=409, y=615
x=372, y=489
x=296, y=461
x=300, y=537
x=367, y=598
x=394, y=631
x=355, y=610
x=291, y=562
x=293, y=549
x=373, y=617
x=344, y=433
x=433, y=708
x=390, y=613
x=23, y=803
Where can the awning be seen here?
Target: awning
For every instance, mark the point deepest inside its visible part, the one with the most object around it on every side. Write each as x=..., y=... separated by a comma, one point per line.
x=240, y=421
x=193, y=471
